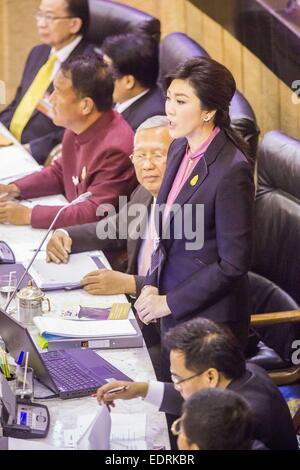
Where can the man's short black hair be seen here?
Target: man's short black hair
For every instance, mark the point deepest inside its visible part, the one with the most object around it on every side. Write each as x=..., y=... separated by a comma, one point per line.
x=91, y=77
x=217, y=419
x=133, y=54
x=80, y=9
x=205, y=345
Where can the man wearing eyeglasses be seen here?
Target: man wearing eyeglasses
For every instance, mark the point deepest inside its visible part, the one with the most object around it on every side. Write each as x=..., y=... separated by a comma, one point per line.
x=205, y=355
x=149, y=158
x=129, y=255
x=62, y=26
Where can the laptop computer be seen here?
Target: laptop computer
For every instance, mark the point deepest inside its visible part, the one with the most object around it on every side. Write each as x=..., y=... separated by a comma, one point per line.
x=69, y=373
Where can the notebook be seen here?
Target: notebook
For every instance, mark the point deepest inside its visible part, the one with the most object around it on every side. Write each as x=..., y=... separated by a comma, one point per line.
x=51, y=276
x=69, y=373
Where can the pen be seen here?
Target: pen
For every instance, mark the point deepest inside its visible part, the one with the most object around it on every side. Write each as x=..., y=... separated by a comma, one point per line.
x=19, y=362
x=118, y=389
x=25, y=375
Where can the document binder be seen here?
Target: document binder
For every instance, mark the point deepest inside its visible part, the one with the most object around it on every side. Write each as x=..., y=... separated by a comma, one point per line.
x=109, y=342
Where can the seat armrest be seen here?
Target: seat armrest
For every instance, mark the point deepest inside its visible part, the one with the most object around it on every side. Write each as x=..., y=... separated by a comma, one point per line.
x=273, y=318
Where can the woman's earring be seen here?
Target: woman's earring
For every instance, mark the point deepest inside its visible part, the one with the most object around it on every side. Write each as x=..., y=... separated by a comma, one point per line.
x=206, y=119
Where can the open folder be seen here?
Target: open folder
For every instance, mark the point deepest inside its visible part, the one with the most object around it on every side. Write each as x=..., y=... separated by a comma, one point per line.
x=50, y=276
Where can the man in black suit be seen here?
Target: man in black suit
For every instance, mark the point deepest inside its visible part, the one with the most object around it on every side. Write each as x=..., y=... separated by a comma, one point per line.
x=62, y=25
x=134, y=58
x=203, y=355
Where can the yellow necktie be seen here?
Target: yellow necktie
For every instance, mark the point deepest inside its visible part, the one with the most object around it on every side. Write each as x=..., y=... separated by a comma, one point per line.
x=31, y=98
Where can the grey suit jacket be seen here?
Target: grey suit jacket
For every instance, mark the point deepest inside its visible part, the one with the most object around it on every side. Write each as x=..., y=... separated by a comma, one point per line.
x=122, y=253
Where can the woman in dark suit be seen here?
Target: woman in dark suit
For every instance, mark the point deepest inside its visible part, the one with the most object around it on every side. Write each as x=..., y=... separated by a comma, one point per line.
x=203, y=249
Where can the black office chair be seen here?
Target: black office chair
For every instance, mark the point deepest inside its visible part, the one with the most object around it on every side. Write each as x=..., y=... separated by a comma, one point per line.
x=109, y=18
x=276, y=262
x=174, y=49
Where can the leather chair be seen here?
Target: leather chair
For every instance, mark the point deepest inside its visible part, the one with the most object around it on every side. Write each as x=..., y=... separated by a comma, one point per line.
x=277, y=212
x=108, y=18
x=174, y=49
x=276, y=259
x=273, y=350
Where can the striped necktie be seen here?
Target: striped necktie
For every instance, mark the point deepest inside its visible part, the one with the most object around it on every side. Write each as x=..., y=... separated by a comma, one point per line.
x=32, y=97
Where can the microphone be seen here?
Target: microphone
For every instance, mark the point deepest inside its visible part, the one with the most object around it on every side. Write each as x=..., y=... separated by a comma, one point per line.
x=83, y=197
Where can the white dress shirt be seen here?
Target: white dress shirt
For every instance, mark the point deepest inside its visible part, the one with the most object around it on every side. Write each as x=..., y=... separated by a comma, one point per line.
x=63, y=54
x=148, y=244
x=155, y=393
x=120, y=107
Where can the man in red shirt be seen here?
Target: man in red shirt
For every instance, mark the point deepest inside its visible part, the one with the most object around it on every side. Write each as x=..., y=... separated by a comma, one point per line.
x=95, y=154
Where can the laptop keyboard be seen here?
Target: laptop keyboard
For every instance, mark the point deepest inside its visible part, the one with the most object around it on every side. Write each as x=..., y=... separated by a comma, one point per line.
x=66, y=373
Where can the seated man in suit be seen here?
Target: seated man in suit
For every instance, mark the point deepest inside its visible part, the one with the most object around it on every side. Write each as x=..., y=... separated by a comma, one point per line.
x=62, y=26
x=134, y=58
x=215, y=419
x=95, y=153
x=152, y=141
x=151, y=144
x=204, y=354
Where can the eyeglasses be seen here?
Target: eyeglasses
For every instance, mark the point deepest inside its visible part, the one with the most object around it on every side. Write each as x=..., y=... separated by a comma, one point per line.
x=141, y=158
x=177, y=381
x=49, y=18
x=176, y=427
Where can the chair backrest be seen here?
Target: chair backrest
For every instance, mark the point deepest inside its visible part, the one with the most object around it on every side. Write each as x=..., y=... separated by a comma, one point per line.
x=277, y=212
x=174, y=49
x=108, y=18
x=177, y=47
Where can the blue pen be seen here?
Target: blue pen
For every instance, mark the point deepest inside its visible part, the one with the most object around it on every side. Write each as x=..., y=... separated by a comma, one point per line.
x=19, y=362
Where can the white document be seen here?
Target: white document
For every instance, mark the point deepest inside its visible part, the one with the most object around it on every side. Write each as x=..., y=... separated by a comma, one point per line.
x=97, y=435
x=15, y=163
x=56, y=200
x=26, y=444
x=60, y=276
x=4, y=131
x=128, y=431
x=84, y=329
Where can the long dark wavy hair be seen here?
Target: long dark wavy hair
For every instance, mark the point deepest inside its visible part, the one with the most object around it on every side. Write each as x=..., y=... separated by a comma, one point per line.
x=215, y=86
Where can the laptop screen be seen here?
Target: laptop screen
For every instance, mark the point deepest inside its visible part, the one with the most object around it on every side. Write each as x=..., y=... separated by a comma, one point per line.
x=17, y=338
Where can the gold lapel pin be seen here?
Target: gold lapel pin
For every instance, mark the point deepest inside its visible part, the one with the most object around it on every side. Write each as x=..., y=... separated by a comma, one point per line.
x=194, y=180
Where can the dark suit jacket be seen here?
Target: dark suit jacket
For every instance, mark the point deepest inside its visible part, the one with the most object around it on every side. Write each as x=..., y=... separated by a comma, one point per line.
x=41, y=133
x=85, y=237
x=151, y=104
x=211, y=281
x=272, y=420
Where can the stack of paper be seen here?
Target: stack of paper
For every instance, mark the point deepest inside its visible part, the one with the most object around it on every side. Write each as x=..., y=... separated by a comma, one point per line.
x=15, y=163
x=56, y=200
x=84, y=329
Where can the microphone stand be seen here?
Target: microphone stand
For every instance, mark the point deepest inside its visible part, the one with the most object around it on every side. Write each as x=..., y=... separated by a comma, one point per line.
x=81, y=198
